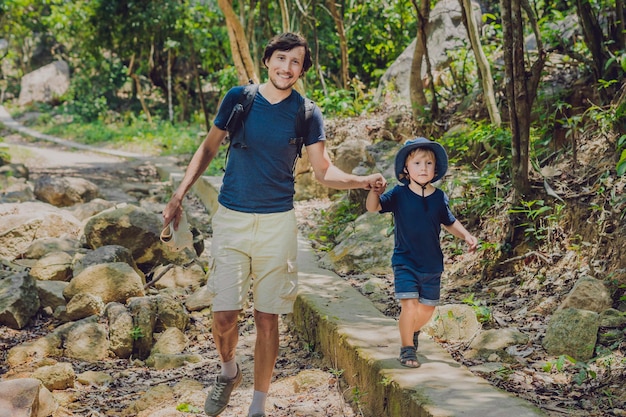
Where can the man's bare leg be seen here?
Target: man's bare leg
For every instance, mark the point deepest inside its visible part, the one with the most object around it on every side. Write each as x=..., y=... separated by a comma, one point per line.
x=265, y=349
x=226, y=334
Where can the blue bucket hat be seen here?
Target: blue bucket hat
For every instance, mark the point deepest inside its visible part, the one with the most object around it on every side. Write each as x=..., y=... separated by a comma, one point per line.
x=441, y=158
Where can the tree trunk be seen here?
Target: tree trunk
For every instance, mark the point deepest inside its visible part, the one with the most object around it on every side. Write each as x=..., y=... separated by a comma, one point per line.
x=238, y=44
x=482, y=62
x=205, y=112
x=170, y=108
x=416, y=92
x=316, y=51
x=421, y=50
x=284, y=13
x=603, y=68
x=135, y=77
x=343, y=43
x=620, y=12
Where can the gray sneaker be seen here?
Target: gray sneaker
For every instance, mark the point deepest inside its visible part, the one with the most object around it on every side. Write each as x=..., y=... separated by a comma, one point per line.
x=217, y=401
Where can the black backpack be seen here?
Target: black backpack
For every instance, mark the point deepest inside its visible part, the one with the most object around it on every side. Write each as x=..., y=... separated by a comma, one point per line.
x=236, y=120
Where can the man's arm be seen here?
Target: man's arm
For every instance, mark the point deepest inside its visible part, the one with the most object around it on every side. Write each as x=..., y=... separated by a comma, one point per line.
x=331, y=176
x=198, y=164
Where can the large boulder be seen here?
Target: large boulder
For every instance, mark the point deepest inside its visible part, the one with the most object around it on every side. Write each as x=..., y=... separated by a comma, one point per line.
x=354, y=251
x=115, y=281
x=446, y=32
x=26, y=397
x=19, y=300
x=45, y=84
x=572, y=332
x=65, y=191
x=134, y=228
x=22, y=224
x=589, y=294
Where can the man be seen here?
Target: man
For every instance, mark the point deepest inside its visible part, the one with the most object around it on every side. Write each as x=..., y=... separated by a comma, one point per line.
x=254, y=228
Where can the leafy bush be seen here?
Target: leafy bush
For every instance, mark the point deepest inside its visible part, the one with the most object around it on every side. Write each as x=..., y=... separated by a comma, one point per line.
x=335, y=221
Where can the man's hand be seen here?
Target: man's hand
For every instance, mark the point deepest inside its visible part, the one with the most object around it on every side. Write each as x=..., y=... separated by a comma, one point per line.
x=376, y=183
x=172, y=212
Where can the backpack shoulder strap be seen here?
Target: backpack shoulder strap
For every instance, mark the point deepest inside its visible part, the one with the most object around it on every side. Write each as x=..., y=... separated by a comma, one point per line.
x=241, y=108
x=247, y=97
x=237, y=116
x=305, y=112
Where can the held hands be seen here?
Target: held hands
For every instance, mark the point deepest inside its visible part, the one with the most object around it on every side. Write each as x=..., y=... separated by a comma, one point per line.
x=376, y=183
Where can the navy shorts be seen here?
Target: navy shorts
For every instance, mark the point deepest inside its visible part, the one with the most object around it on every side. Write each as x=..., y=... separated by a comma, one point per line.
x=409, y=283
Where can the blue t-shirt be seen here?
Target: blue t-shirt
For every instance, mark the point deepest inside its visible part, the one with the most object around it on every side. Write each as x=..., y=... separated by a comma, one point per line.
x=259, y=178
x=416, y=229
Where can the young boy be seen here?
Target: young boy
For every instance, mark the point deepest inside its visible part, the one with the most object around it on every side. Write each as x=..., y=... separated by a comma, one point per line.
x=419, y=210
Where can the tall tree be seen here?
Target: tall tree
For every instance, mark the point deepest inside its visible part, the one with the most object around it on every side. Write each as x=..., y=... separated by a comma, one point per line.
x=481, y=60
x=343, y=42
x=238, y=44
x=521, y=88
x=604, y=66
x=420, y=56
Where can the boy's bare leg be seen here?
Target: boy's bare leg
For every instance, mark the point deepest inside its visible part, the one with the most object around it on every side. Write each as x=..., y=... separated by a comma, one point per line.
x=413, y=316
x=424, y=313
x=408, y=319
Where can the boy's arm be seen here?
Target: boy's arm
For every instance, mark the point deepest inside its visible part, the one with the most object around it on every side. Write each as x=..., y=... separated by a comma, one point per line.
x=459, y=231
x=372, y=203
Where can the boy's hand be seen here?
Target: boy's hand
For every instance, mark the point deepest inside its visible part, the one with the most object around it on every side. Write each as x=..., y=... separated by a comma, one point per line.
x=379, y=187
x=472, y=242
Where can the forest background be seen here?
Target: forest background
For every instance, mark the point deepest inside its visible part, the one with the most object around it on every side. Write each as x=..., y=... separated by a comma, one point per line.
x=538, y=84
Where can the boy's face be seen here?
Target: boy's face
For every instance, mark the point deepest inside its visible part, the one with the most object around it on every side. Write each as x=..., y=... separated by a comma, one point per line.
x=420, y=166
x=284, y=68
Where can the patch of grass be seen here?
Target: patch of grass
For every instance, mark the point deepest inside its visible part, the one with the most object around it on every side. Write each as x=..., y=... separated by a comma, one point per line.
x=160, y=137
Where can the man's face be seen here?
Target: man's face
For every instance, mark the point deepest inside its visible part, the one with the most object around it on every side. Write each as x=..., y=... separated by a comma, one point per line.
x=285, y=67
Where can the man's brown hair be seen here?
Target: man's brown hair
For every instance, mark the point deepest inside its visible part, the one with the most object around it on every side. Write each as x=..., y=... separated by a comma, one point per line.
x=286, y=42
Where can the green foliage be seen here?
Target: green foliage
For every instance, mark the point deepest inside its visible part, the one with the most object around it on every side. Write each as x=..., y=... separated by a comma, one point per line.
x=343, y=103
x=128, y=131
x=487, y=148
x=5, y=157
x=559, y=364
x=504, y=373
x=483, y=313
x=335, y=221
x=621, y=147
x=136, y=333
x=539, y=220
x=378, y=32
x=386, y=381
x=584, y=371
x=188, y=408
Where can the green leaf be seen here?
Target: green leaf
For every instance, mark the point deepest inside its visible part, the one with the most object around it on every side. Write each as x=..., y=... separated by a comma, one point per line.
x=621, y=165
